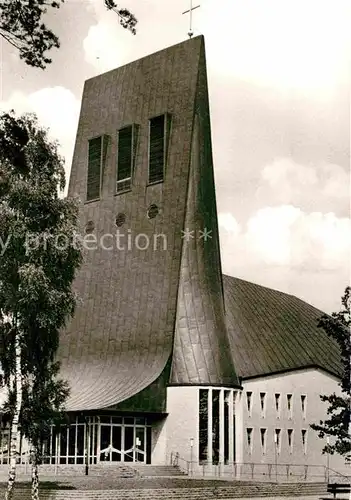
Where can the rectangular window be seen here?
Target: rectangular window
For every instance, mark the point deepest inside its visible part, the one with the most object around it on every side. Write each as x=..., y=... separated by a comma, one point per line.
x=263, y=403
x=304, y=440
x=249, y=402
x=94, y=168
x=159, y=131
x=290, y=439
x=277, y=404
x=80, y=448
x=289, y=405
x=263, y=440
x=277, y=440
x=203, y=424
x=226, y=425
x=72, y=430
x=215, y=426
x=127, y=142
x=249, y=436
x=63, y=444
x=303, y=405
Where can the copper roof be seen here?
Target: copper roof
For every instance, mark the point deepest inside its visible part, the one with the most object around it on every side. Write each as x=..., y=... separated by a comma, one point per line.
x=130, y=319
x=273, y=332
x=153, y=317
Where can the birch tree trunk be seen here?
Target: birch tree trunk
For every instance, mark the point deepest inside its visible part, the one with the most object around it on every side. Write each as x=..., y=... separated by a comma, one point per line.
x=35, y=475
x=15, y=434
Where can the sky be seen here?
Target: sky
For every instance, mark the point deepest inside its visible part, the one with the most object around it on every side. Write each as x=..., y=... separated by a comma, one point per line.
x=279, y=84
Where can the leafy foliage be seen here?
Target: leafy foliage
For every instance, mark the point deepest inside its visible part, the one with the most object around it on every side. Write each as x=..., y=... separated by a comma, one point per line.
x=338, y=425
x=43, y=407
x=36, y=268
x=126, y=19
x=21, y=24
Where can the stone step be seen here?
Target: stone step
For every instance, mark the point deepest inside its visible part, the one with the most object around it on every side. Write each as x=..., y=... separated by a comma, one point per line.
x=106, y=469
x=121, y=471
x=240, y=491
x=158, y=470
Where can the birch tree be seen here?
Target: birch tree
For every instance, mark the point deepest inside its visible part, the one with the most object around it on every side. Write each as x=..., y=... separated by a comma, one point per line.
x=40, y=254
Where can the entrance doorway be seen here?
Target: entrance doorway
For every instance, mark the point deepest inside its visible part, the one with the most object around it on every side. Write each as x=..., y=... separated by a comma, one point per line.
x=122, y=443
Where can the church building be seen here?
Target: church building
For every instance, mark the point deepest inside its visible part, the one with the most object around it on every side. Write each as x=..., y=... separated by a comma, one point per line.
x=167, y=359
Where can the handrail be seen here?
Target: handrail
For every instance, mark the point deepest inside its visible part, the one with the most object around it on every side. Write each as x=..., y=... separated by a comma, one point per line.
x=133, y=461
x=320, y=466
x=338, y=473
x=257, y=470
x=175, y=458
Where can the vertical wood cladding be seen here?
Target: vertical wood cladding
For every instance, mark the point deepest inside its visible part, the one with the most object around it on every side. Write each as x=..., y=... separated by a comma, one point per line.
x=123, y=333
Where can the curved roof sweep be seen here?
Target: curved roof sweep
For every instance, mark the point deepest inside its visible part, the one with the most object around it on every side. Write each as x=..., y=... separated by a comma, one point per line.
x=273, y=332
x=154, y=315
x=122, y=335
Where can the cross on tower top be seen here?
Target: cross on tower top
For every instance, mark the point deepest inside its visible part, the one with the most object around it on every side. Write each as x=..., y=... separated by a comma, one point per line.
x=190, y=11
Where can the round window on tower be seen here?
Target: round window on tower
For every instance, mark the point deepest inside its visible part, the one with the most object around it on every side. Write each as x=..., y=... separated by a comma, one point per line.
x=89, y=227
x=152, y=211
x=120, y=219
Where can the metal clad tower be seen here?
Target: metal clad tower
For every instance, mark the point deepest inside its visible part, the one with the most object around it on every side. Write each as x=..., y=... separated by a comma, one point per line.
x=149, y=315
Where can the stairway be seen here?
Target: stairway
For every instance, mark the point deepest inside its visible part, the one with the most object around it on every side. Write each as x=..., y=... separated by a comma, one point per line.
x=158, y=470
x=103, y=469
x=239, y=490
x=50, y=471
x=118, y=471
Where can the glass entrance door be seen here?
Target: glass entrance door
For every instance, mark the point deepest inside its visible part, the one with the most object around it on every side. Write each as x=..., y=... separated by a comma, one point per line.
x=129, y=444
x=122, y=443
x=110, y=443
x=140, y=444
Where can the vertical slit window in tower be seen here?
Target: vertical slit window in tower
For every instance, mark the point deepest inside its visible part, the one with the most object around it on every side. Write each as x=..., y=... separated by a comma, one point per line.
x=203, y=424
x=157, y=148
x=125, y=159
x=215, y=426
x=94, y=169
